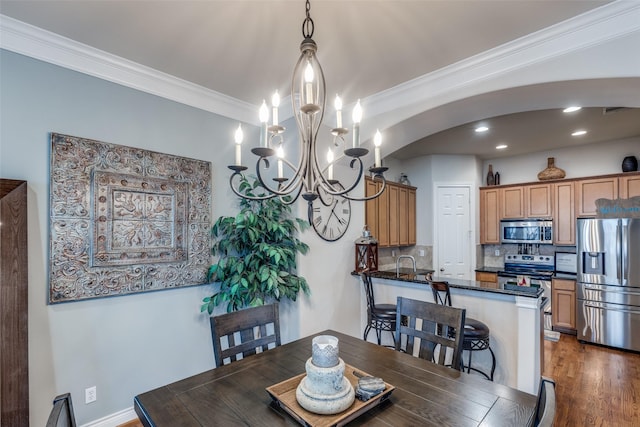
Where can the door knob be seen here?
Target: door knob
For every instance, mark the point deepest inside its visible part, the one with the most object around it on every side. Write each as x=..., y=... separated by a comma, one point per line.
x=442, y=269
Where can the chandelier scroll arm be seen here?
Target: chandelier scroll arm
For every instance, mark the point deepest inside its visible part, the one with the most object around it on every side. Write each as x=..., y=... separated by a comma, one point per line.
x=238, y=173
x=281, y=191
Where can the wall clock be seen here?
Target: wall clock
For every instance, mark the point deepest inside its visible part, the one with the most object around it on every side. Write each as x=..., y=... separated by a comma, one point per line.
x=330, y=215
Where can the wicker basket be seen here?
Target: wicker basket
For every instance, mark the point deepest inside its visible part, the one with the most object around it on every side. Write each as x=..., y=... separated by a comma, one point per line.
x=551, y=172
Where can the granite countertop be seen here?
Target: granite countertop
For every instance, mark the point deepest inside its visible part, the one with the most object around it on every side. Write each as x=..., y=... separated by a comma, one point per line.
x=419, y=278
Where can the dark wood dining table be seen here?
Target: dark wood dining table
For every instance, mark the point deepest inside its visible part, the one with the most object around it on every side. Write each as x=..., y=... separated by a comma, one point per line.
x=425, y=394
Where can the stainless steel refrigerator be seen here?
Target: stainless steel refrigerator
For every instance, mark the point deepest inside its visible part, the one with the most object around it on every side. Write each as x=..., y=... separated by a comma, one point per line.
x=608, y=282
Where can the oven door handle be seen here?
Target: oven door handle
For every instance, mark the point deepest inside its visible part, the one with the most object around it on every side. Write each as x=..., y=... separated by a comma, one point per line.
x=505, y=274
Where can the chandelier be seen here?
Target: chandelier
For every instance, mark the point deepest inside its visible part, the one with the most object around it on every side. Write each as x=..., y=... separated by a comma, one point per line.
x=307, y=178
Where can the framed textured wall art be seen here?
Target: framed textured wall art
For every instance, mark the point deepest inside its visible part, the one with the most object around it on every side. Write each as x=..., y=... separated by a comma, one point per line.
x=125, y=220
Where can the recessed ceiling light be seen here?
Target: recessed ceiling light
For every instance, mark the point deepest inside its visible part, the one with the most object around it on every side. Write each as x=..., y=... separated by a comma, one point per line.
x=482, y=129
x=579, y=133
x=571, y=109
x=501, y=146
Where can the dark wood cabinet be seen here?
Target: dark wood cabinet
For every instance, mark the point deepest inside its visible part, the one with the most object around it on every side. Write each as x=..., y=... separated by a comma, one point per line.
x=14, y=357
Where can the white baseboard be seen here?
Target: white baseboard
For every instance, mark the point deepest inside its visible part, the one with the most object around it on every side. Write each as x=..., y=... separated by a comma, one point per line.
x=113, y=420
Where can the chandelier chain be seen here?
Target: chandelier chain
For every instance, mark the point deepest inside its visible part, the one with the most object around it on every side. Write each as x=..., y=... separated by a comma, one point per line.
x=307, y=25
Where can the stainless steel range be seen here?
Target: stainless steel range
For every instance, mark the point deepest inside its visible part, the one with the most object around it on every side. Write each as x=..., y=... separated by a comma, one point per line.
x=532, y=271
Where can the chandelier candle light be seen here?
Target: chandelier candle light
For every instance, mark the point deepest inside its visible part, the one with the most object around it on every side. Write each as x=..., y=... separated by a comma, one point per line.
x=307, y=178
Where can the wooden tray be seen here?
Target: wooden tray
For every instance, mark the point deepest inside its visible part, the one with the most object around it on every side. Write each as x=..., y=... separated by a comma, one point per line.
x=284, y=396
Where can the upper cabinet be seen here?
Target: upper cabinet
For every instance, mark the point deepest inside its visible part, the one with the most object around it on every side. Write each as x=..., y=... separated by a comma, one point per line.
x=561, y=200
x=391, y=217
x=490, y=215
x=590, y=190
x=538, y=201
x=513, y=202
x=629, y=186
x=526, y=201
x=564, y=219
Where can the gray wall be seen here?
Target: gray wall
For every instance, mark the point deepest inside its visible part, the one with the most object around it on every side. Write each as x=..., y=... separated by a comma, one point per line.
x=131, y=344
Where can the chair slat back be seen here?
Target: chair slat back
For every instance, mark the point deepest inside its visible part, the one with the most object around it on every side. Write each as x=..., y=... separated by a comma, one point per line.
x=61, y=414
x=246, y=332
x=435, y=326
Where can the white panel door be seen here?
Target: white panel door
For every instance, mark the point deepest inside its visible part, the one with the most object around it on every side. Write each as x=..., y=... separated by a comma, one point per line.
x=453, y=232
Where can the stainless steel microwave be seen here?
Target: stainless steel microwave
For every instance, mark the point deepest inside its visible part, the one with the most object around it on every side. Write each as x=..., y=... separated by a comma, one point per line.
x=526, y=231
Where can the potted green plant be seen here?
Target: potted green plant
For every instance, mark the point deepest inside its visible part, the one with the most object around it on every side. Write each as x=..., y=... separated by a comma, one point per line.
x=257, y=252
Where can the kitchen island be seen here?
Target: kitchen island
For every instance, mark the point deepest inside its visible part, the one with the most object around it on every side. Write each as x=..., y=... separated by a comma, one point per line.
x=513, y=316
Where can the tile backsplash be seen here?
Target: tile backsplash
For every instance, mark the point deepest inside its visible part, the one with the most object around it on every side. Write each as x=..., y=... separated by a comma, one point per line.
x=423, y=254
x=490, y=259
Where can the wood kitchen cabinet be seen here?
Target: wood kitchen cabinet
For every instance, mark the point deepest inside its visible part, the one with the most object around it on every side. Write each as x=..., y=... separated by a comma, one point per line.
x=629, y=186
x=392, y=216
x=587, y=191
x=563, y=305
x=564, y=218
x=377, y=212
x=403, y=209
x=490, y=216
x=412, y=215
x=487, y=279
x=513, y=202
x=538, y=201
x=371, y=207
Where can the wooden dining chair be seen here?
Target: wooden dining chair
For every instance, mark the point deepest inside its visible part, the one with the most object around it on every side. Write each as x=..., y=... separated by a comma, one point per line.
x=245, y=332
x=62, y=412
x=546, y=405
x=430, y=329
x=477, y=336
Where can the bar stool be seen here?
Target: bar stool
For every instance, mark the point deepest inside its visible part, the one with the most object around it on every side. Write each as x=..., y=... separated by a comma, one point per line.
x=476, y=333
x=381, y=317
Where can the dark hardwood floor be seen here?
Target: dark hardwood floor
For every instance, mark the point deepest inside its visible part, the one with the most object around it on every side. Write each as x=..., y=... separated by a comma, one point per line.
x=595, y=386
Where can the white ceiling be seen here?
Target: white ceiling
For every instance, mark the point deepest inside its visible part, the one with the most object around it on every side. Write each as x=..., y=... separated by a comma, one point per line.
x=246, y=49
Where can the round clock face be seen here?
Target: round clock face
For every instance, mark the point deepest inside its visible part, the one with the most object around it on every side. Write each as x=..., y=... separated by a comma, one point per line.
x=330, y=215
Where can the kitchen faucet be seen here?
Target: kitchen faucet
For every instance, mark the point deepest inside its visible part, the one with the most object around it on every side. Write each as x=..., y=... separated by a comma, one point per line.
x=413, y=261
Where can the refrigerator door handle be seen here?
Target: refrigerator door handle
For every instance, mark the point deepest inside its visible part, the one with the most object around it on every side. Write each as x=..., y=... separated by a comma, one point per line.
x=610, y=289
x=611, y=307
x=619, y=251
x=625, y=255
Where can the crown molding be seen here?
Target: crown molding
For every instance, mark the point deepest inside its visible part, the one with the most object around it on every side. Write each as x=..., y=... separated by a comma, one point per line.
x=601, y=25
x=596, y=27
x=28, y=40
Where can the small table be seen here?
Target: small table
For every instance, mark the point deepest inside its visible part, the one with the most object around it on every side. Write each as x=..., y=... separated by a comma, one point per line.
x=426, y=394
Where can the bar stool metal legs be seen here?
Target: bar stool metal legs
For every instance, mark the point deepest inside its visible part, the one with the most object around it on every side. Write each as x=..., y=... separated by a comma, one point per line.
x=478, y=345
x=381, y=317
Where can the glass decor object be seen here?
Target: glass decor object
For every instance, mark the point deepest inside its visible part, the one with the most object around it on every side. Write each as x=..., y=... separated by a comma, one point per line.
x=490, y=176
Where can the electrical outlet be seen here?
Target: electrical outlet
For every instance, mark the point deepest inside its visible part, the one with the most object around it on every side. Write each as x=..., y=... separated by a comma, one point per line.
x=90, y=394
x=497, y=253
x=421, y=252
x=393, y=253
